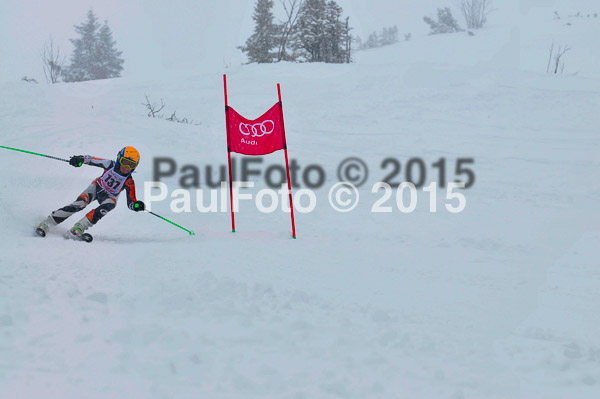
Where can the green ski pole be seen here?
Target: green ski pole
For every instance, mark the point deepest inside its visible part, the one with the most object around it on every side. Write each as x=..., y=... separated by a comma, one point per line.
x=190, y=232
x=35, y=153
x=41, y=155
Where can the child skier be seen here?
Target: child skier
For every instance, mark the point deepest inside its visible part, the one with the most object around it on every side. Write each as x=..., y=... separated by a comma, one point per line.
x=104, y=189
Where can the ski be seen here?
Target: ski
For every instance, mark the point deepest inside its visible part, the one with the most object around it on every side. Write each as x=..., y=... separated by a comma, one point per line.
x=86, y=237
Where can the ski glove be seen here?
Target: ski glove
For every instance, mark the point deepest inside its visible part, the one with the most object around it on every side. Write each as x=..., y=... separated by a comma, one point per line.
x=76, y=160
x=137, y=206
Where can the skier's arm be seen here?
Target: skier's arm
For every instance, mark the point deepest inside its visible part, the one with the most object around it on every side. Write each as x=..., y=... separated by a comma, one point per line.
x=100, y=162
x=132, y=202
x=78, y=160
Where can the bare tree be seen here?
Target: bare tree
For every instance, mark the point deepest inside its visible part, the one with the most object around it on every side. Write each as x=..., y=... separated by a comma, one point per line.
x=53, y=62
x=558, y=56
x=475, y=12
x=550, y=50
x=152, y=110
x=292, y=11
x=348, y=36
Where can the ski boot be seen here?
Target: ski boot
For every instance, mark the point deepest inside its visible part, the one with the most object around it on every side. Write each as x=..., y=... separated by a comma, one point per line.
x=44, y=226
x=77, y=232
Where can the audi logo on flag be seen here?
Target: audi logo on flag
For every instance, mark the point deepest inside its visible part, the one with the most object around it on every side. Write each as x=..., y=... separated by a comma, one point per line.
x=257, y=129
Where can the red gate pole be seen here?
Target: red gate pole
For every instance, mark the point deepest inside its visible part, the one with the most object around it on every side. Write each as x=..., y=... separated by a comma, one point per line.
x=287, y=166
x=229, y=154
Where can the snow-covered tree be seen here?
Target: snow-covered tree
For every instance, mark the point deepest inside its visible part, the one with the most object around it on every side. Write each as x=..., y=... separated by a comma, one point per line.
x=94, y=55
x=110, y=63
x=84, y=49
x=372, y=40
x=322, y=35
x=314, y=31
x=334, y=49
x=310, y=36
x=261, y=46
x=389, y=36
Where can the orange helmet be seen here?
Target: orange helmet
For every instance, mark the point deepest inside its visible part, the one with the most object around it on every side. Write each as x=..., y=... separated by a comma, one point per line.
x=128, y=156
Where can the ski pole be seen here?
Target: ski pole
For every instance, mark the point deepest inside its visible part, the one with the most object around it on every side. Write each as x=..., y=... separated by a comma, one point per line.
x=41, y=155
x=190, y=232
x=35, y=153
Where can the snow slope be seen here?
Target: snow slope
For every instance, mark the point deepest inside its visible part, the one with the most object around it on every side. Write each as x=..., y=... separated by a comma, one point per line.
x=499, y=301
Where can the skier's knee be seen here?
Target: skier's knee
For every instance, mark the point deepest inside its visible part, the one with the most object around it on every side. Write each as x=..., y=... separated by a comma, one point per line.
x=96, y=214
x=83, y=198
x=80, y=203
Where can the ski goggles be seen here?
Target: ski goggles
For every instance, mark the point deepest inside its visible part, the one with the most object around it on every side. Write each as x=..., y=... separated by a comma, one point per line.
x=128, y=163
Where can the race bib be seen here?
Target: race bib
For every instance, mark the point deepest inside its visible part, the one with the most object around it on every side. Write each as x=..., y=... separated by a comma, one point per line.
x=112, y=182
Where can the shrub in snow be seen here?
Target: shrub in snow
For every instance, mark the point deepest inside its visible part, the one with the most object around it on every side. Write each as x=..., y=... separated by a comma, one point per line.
x=154, y=109
x=445, y=23
x=385, y=37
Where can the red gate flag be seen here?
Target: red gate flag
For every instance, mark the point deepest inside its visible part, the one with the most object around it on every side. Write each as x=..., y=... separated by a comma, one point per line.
x=260, y=136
